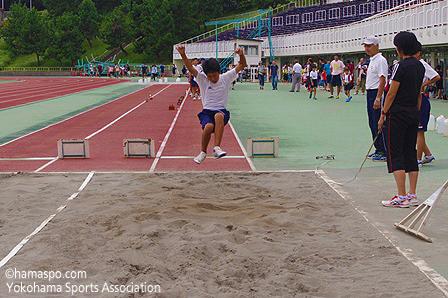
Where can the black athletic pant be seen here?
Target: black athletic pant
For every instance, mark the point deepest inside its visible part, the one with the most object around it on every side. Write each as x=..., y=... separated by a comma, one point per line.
x=402, y=128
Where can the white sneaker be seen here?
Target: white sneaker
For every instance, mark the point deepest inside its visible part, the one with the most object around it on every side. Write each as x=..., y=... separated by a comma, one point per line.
x=194, y=98
x=200, y=158
x=396, y=202
x=412, y=200
x=218, y=153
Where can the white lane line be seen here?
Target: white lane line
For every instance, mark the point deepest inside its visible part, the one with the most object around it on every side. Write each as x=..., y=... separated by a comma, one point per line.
x=251, y=164
x=26, y=158
x=118, y=119
x=46, y=165
x=33, y=132
x=165, y=140
x=191, y=157
x=438, y=280
x=19, y=246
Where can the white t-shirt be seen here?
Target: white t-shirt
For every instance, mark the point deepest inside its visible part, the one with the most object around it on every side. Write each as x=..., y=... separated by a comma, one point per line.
x=314, y=75
x=215, y=96
x=297, y=68
x=430, y=73
x=337, y=67
x=347, y=78
x=199, y=69
x=377, y=68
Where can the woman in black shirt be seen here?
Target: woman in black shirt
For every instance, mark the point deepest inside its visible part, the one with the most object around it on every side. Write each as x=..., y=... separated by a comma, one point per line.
x=401, y=112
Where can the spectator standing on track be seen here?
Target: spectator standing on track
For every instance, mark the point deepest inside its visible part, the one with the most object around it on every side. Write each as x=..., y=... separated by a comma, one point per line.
x=100, y=70
x=337, y=68
x=314, y=79
x=375, y=83
x=327, y=68
x=400, y=110
x=173, y=70
x=274, y=74
x=296, y=75
x=154, y=72
x=361, y=77
x=431, y=76
x=347, y=80
x=162, y=70
x=261, y=72
x=184, y=71
x=215, y=89
x=439, y=83
x=144, y=71
x=290, y=73
x=193, y=84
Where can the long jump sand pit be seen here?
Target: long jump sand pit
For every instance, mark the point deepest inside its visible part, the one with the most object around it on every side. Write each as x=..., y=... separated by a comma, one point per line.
x=216, y=235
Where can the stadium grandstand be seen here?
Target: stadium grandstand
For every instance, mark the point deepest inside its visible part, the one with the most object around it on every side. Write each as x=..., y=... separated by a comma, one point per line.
x=294, y=31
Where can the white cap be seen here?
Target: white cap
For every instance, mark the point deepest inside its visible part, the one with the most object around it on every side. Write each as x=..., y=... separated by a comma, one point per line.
x=371, y=40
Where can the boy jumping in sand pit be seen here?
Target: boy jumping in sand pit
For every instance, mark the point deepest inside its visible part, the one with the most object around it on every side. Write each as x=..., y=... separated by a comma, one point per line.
x=214, y=89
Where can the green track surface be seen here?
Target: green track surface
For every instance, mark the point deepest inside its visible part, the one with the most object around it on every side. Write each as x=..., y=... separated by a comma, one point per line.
x=37, y=115
x=308, y=128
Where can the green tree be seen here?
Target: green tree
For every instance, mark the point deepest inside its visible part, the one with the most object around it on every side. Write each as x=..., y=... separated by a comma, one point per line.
x=116, y=30
x=59, y=7
x=25, y=31
x=66, y=39
x=89, y=20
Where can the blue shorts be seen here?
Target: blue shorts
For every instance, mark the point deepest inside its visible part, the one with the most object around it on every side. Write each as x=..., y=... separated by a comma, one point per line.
x=329, y=78
x=193, y=83
x=423, y=114
x=208, y=116
x=336, y=81
x=348, y=87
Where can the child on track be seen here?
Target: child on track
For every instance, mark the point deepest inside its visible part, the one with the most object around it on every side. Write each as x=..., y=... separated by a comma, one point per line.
x=215, y=90
x=347, y=80
x=313, y=80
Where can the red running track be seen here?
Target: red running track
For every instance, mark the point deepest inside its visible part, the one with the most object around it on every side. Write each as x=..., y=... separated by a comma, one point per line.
x=150, y=120
x=27, y=90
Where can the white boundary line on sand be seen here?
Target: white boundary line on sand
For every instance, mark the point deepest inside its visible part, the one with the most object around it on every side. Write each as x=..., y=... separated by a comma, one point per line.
x=165, y=140
x=438, y=280
x=19, y=246
x=28, y=134
x=117, y=119
x=168, y=172
x=251, y=164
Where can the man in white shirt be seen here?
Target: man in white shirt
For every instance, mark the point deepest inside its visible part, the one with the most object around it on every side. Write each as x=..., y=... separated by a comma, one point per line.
x=377, y=72
x=296, y=74
x=215, y=90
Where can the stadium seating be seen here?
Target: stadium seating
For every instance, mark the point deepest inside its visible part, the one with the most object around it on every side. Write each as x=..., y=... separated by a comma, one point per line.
x=315, y=17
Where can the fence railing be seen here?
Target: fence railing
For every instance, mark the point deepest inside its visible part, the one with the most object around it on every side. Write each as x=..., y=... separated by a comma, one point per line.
x=37, y=69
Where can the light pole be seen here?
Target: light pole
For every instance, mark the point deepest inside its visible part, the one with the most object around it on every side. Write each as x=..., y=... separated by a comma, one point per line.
x=31, y=4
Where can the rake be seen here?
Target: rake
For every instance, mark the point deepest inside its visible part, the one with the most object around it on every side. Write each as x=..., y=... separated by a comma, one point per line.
x=423, y=211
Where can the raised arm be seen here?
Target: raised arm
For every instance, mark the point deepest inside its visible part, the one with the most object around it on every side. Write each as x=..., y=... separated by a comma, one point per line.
x=187, y=62
x=242, y=64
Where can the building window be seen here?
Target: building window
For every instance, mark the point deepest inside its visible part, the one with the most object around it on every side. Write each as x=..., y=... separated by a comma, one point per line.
x=307, y=17
x=277, y=21
x=321, y=15
x=334, y=13
x=250, y=50
x=366, y=8
x=349, y=11
x=292, y=19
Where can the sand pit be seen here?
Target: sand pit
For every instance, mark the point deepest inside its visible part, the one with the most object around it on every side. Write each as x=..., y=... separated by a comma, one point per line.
x=214, y=235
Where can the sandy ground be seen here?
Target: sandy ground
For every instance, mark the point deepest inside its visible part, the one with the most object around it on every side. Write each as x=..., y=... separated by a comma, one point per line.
x=200, y=235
